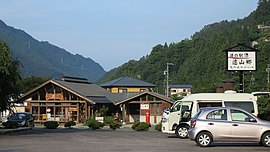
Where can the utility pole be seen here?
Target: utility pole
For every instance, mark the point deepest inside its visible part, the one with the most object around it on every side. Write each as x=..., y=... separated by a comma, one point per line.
x=166, y=72
x=268, y=71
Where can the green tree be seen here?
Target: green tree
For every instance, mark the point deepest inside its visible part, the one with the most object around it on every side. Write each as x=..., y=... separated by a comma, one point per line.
x=9, y=77
x=29, y=83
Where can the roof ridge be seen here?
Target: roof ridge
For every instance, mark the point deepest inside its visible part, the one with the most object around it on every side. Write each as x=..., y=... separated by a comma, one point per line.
x=119, y=79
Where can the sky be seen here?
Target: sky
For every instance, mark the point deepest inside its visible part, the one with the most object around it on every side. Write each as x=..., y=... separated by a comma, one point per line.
x=112, y=32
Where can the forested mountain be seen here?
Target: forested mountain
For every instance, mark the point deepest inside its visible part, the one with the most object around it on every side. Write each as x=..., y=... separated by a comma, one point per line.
x=46, y=60
x=201, y=61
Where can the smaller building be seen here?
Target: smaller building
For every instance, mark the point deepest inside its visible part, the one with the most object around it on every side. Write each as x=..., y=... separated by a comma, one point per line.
x=127, y=84
x=134, y=106
x=227, y=84
x=180, y=89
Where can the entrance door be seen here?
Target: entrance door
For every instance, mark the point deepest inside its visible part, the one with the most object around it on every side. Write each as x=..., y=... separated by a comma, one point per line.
x=134, y=112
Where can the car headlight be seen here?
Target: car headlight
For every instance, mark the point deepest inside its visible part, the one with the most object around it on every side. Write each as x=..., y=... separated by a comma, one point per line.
x=163, y=120
x=23, y=123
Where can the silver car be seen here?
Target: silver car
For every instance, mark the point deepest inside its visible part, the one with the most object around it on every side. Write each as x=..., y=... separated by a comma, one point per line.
x=228, y=124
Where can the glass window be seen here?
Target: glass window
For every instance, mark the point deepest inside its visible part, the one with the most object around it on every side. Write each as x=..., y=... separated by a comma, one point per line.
x=158, y=108
x=186, y=106
x=176, y=106
x=152, y=108
x=35, y=110
x=142, y=90
x=248, y=106
x=150, y=98
x=240, y=116
x=217, y=115
x=209, y=104
x=122, y=90
x=143, y=98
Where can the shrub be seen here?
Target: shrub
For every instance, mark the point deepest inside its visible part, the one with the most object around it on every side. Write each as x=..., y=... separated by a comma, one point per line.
x=115, y=125
x=158, y=127
x=10, y=124
x=51, y=124
x=93, y=123
x=135, y=124
x=140, y=126
x=69, y=124
x=108, y=120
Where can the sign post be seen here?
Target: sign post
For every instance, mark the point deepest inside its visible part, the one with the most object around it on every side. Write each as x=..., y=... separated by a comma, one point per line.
x=241, y=58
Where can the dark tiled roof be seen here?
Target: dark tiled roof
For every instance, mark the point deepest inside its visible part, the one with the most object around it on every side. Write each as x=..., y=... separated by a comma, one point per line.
x=127, y=82
x=124, y=97
x=74, y=79
x=180, y=86
x=100, y=99
x=91, y=91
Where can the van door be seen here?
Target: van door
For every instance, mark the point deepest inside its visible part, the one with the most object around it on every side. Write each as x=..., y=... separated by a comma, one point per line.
x=175, y=114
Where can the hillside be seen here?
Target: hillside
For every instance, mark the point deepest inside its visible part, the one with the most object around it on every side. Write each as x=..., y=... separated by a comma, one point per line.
x=200, y=60
x=46, y=60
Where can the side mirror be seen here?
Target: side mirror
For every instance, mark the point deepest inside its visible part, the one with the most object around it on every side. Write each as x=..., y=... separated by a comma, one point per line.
x=166, y=111
x=252, y=120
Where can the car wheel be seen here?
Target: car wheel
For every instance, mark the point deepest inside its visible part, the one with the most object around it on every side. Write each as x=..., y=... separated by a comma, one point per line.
x=182, y=131
x=266, y=139
x=204, y=139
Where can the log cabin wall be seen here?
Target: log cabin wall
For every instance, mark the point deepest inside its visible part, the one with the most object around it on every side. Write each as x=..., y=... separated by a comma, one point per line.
x=52, y=103
x=135, y=109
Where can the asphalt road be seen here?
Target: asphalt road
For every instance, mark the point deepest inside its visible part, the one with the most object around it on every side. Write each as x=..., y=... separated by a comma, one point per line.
x=106, y=140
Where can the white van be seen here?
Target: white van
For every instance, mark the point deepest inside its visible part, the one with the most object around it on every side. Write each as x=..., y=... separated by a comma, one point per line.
x=177, y=118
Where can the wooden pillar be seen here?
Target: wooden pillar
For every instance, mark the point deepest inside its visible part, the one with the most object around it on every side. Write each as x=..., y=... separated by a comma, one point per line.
x=62, y=112
x=89, y=110
x=30, y=105
x=155, y=114
x=124, y=112
x=38, y=112
x=92, y=112
x=86, y=110
x=78, y=111
x=54, y=112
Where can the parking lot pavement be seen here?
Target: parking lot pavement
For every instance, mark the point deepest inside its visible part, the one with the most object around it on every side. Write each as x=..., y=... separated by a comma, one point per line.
x=8, y=131
x=80, y=138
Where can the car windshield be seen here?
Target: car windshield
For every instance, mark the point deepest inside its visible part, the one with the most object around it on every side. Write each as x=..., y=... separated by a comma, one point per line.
x=18, y=116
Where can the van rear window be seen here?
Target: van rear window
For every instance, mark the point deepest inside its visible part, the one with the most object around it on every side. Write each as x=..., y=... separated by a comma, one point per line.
x=248, y=106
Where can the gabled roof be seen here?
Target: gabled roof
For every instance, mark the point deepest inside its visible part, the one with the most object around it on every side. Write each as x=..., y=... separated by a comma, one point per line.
x=180, y=86
x=128, y=97
x=87, y=91
x=127, y=82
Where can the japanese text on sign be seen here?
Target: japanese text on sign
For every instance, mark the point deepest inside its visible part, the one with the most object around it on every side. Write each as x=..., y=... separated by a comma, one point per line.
x=241, y=60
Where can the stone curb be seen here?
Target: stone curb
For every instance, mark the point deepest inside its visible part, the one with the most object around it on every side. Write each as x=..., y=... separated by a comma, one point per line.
x=8, y=131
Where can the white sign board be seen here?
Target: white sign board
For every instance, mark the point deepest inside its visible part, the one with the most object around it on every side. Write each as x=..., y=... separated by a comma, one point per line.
x=241, y=60
x=145, y=106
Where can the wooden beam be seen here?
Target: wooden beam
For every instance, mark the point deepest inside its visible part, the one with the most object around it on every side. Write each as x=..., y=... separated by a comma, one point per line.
x=78, y=111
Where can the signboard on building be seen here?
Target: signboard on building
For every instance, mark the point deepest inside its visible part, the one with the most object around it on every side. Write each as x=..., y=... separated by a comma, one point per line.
x=145, y=106
x=241, y=60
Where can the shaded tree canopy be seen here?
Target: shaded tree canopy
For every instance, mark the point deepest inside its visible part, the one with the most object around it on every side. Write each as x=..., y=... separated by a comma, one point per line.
x=9, y=77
